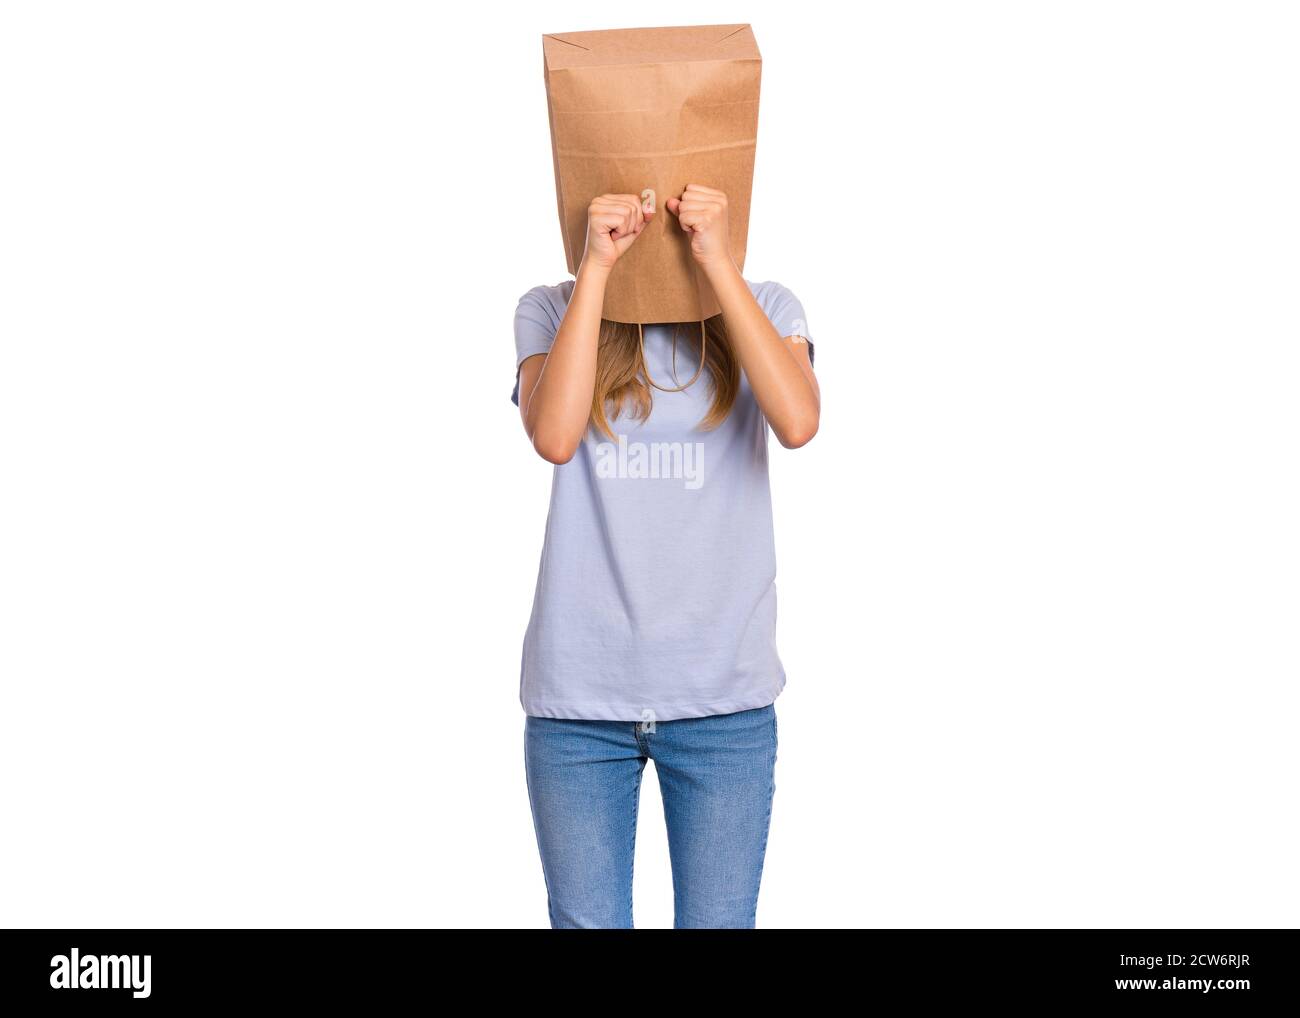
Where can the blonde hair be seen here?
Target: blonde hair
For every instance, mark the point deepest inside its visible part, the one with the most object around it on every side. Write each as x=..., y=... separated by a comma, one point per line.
x=623, y=383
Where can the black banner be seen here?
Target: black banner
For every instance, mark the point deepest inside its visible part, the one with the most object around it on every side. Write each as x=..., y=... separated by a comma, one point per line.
x=164, y=969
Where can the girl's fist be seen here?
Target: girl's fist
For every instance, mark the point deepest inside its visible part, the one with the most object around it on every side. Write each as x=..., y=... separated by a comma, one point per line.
x=614, y=221
x=702, y=212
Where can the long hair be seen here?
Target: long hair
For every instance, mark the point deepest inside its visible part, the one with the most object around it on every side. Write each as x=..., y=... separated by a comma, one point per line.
x=621, y=376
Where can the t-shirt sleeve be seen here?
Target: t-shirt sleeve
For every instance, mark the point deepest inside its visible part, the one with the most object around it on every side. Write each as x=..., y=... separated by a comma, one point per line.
x=537, y=320
x=785, y=311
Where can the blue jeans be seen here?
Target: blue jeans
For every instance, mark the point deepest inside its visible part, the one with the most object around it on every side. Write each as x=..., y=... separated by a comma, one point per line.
x=716, y=778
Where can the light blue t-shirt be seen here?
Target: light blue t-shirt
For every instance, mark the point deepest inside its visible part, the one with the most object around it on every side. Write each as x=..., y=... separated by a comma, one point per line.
x=656, y=596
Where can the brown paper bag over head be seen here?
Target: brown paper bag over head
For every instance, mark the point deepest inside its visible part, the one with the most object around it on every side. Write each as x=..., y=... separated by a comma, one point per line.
x=655, y=108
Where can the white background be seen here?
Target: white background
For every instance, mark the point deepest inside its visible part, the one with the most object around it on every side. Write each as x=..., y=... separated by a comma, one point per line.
x=271, y=525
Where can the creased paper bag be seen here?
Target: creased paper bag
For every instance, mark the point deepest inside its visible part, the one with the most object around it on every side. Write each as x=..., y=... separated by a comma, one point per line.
x=657, y=108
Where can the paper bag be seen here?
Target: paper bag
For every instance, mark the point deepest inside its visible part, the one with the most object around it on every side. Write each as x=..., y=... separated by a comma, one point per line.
x=657, y=108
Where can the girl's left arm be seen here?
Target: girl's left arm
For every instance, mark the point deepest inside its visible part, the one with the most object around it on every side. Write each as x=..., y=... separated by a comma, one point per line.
x=779, y=370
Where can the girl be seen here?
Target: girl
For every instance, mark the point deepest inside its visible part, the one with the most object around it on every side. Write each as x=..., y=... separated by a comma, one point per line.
x=652, y=634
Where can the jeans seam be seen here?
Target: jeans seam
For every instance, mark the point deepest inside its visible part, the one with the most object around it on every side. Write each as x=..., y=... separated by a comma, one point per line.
x=631, y=855
x=642, y=744
x=528, y=784
x=767, y=825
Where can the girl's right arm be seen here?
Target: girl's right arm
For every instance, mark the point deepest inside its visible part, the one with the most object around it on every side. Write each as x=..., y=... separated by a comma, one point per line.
x=556, y=388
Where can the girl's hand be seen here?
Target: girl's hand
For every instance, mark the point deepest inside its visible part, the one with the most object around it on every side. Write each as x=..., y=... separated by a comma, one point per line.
x=614, y=221
x=702, y=212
